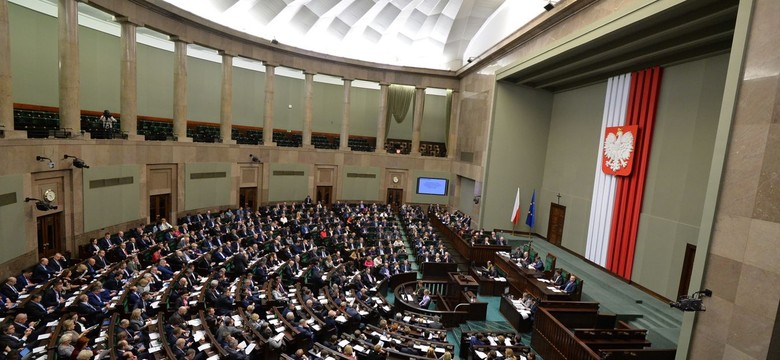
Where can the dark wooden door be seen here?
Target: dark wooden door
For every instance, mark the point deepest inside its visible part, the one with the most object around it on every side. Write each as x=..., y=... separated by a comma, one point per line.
x=50, y=239
x=395, y=197
x=160, y=207
x=555, y=225
x=247, y=197
x=687, y=269
x=324, y=195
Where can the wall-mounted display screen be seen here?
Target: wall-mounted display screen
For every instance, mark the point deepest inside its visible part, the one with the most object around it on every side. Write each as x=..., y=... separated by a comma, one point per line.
x=431, y=186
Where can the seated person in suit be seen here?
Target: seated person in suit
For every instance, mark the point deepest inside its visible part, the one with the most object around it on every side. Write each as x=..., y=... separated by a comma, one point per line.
x=41, y=272
x=557, y=279
x=9, y=338
x=538, y=263
x=571, y=286
x=9, y=289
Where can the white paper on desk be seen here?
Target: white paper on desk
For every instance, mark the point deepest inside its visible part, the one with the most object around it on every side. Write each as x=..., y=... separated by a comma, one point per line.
x=316, y=327
x=236, y=317
x=242, y=345
x=297, y=307
x=363, y=313
x=310, y=321
x=324, y=277
x=439, y=350
x=507, y=342
x=359, y=348
x=199, y=335
x=154, y=321
x=372, y=289
x=154, y=349
x=193, y=302
x=197, y=288
x=43, y=357
x=279, y=329
x=155, y=305
x=292, y=290
x=323, y=301
x=194, y=322
x=262, y=296
x=249, y=348
x=23, y=296
x=329, y=358
x=100, y=339
x=155, y=343
x=278, y=337
x=524, y=314
x=52, y=323
x=407, y=318
x=215, y=357
x=273, y=321
x=386, y=308
x=39, y=349
x=204, y=347
x=341, y=319
x=153, y=336
x=343, y=343
x=480, y=354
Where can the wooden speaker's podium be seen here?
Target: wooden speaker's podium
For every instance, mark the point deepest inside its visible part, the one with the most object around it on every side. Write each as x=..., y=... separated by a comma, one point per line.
x=462, y=296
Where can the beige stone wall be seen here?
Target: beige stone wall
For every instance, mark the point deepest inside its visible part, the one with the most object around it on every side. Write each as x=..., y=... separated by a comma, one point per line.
x=742, y=266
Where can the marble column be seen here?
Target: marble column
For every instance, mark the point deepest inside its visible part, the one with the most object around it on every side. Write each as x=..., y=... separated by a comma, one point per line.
x=180, y=90
x=226, y=100
x=69, y=75
x=308, y=93
x=128, y=81
x=452, y=132
x=6, y=98
x=345, y=110
x=419, y=106
x=381, y=123
x=268, y=117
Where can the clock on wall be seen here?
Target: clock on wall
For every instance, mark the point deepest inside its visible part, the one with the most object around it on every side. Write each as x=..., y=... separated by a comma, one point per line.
x=49, y=195
x=395, y=179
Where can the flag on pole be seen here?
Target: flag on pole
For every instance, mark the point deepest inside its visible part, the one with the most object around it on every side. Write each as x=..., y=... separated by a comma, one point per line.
x=530, y=219
x=516, y=208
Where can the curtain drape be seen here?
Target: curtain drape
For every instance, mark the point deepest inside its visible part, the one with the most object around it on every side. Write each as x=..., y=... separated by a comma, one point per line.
x=399, y=98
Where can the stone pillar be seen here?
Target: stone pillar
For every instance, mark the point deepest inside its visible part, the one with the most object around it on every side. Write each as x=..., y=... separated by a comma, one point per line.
x=6, y=98
x=226, y=100
x=308, y=115
x=69, y=75
x=268, y=118
x=452, y=139
x=381, y=123
x=128, y=81
x=419, y=106
x=345, y=110
x=180, y=90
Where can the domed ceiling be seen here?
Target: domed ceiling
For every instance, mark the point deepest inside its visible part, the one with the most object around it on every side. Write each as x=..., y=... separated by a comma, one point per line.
x=433, y=34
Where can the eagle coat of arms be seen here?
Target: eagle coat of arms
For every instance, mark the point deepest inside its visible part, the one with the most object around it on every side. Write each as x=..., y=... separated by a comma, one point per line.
x=618, y=152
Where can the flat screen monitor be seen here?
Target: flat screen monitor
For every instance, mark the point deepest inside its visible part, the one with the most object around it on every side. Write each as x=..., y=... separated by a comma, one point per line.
x=432, y=186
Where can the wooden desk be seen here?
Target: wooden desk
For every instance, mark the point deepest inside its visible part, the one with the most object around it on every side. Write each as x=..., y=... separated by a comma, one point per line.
x=513, y=316
x=522, y=279
x=487, y=285
x=477, y=254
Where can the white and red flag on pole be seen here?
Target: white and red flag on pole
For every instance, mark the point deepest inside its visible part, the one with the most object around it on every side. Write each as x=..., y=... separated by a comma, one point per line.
x=516, y=208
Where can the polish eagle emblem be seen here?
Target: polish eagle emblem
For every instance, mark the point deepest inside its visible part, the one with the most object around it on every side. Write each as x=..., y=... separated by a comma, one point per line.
x=618, y=150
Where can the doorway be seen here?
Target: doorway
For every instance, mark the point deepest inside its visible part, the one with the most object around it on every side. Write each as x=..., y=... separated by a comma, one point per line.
x=324, y=195
x=687, y=269
x=247, y=197
x=555, y=225
x=50, y=234
x=395, y=197
x=160, y=207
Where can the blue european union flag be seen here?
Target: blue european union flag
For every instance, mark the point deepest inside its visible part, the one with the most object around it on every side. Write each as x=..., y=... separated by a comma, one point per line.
x=530, y=220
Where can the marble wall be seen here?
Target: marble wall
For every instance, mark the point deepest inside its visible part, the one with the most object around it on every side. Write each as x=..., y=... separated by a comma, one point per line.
x=742, y=266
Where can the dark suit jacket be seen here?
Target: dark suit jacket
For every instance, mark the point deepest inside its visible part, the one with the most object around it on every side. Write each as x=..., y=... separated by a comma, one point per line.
x=8, y=291
x=40, y=273
x=35, y=311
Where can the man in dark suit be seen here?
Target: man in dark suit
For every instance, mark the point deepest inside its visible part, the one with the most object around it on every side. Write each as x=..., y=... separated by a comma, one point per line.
x=41, y=272
x=100, y=260
x=240, y=263
x=57, y=263
x=105, y=242
x=9, y=338
x=571, y=286
x=92, y=314
x=54, y=297
x=166, y=273
x=557, y=279
x=35, y=310
x=9, y=289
